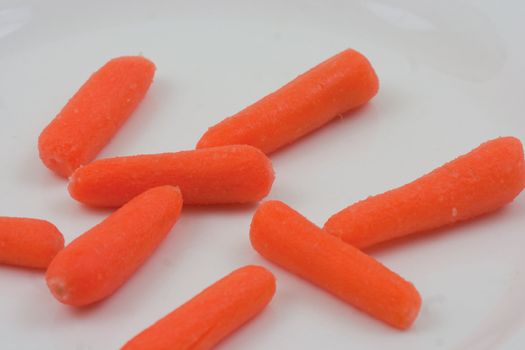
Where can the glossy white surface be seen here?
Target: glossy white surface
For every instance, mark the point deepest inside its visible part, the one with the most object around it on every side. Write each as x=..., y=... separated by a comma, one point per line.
x=451, y=76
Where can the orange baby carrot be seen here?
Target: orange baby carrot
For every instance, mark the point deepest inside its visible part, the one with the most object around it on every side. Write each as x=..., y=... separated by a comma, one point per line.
x=213, y=314
x=229, y=174
x=95, y=113
x=337, y=85
x=283, y=236
x=98, y=262
x=28, y=242
x=476, y=183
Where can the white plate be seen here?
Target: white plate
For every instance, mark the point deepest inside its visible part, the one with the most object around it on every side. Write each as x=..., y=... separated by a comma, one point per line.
x=451, y=76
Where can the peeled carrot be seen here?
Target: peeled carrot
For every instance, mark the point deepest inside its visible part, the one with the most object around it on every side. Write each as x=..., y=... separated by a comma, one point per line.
x=230, y=174
x=28, y=242
x=283, y=236
x=337, y=85
x=213, y=314
x=476, y=183
x=98, y=262
x=95, y=113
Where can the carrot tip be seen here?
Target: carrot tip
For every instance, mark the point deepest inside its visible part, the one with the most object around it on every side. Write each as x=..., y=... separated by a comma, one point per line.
x=59, y=289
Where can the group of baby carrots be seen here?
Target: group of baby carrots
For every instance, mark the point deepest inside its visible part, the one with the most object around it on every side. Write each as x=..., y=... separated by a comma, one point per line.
x=230, y=165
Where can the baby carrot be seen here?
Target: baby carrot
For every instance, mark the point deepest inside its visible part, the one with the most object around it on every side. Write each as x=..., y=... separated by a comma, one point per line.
x=476, y=183
x=337, y=85
x=283, y=236
x=95, y=113
x=213, y=314
x=98, y=262
x=28, y=242
x=229, y=174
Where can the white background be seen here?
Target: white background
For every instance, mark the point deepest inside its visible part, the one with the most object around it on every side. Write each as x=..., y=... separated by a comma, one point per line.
x=451, y=77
